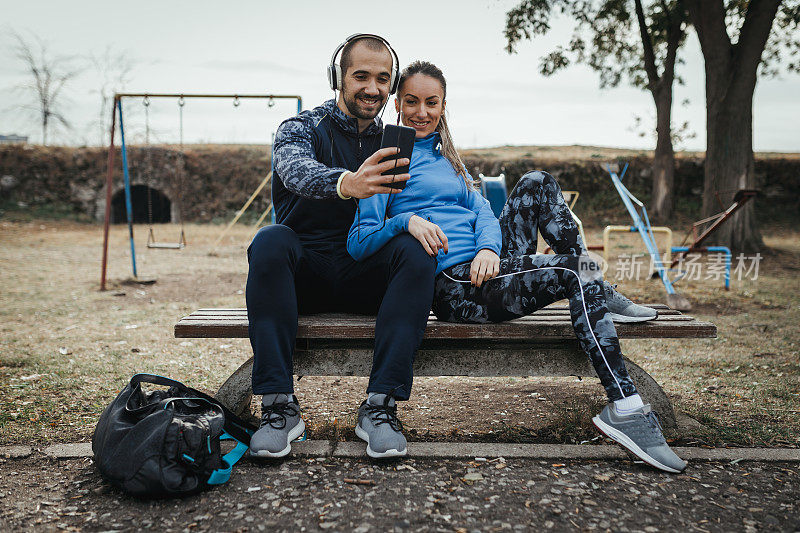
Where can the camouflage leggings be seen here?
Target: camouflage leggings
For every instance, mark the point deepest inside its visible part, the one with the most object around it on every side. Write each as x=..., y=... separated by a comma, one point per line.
x=536, y=203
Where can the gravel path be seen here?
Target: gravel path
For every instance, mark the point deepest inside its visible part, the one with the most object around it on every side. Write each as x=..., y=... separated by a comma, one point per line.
x=338, y=494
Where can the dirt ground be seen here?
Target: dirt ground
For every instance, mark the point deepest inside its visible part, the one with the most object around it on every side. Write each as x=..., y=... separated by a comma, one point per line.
x=445, y=495
x=66, y=348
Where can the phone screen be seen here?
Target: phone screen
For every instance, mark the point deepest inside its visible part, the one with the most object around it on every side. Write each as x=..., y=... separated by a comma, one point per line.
x=403, y=137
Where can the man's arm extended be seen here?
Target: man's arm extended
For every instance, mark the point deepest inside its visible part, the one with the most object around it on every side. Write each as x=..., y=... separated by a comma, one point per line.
x=296, y=163
x=301, y=173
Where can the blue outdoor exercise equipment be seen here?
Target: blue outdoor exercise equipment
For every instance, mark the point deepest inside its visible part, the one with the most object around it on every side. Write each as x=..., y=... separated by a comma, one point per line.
x=721, y=249
x=642, y=223
x=494, y=189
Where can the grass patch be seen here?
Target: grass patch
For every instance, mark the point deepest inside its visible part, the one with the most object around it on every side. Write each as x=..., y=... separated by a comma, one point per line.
x=11, y=211
x=721, y=429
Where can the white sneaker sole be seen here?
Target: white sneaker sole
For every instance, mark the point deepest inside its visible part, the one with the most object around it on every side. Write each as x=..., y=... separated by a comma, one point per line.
x=294, y=433
x=624, y=440
x=624, y=319
x=360, y=433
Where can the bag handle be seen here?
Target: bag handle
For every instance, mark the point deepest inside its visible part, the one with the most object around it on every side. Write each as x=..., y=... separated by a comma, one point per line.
x=222, y=475
x=235, y=426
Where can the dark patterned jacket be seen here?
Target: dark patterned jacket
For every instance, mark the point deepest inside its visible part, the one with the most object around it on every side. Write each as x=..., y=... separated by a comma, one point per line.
x=310, y=152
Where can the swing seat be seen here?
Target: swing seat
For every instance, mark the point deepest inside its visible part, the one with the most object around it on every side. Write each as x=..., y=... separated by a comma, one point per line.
x=180, y=245
x=167, y=245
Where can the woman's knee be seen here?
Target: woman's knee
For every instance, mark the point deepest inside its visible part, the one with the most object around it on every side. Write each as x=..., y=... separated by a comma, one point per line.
x=581, y=275
x=273, y=243
x=535, y=181
x=532, y=180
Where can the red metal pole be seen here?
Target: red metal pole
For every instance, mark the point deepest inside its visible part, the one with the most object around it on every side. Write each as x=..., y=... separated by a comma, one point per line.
x=109, y=185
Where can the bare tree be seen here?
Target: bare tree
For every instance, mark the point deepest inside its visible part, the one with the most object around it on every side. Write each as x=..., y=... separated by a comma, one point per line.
x=114, y=69
x=50, y=74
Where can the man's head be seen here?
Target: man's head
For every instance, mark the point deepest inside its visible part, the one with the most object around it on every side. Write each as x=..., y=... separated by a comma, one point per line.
x=366, y=73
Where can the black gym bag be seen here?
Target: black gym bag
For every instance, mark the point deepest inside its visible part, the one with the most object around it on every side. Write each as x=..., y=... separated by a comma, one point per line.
x=166, y=442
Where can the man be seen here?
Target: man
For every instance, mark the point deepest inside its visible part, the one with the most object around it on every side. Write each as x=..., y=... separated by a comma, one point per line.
x=323, y=159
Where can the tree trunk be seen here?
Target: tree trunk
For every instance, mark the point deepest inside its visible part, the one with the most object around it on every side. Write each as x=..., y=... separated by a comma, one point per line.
x=661, y=88
x=729, y=162
x=731, y=74
x=664, y=159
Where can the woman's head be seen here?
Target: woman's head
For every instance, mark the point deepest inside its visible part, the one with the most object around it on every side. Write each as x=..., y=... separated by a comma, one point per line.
x=420, y=98
x=420, y=104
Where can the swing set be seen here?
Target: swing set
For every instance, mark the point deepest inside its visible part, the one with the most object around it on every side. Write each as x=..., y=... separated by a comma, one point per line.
x=116, y=111
x=151, y=238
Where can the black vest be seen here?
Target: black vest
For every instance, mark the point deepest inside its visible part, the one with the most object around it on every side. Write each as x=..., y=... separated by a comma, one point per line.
x=337, y=143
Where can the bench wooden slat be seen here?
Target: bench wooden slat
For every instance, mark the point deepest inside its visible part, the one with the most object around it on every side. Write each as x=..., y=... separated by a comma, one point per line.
x=538, y=327
x=550, y=311
x=556, y=307
x=348, y=322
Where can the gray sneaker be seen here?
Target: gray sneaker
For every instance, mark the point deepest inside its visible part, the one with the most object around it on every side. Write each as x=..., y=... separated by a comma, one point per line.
x=640, y=432
x=379, y=426
x=623, y=310
x=280, y=425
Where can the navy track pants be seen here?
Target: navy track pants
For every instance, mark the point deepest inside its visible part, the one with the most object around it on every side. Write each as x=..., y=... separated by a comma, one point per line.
x=288, y=277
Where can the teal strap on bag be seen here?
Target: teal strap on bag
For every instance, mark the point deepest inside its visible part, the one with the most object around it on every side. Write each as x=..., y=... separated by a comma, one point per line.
x=222, y=475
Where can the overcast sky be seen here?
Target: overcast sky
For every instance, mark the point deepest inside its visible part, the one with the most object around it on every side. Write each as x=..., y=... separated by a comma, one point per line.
x=283, y=48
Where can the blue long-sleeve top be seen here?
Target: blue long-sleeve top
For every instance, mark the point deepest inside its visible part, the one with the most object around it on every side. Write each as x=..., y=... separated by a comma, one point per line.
x=436, y=193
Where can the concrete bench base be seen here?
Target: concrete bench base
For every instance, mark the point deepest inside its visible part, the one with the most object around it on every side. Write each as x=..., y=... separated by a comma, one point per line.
x=508, y=360
x=541, y=344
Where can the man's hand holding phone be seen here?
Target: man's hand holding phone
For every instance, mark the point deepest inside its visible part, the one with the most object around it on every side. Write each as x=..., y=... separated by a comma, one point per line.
x=368, y=179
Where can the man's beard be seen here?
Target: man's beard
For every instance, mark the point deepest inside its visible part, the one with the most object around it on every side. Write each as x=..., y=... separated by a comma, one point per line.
x=352, y=105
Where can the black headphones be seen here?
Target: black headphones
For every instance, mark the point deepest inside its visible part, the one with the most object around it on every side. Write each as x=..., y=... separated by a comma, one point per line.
x=335, y=74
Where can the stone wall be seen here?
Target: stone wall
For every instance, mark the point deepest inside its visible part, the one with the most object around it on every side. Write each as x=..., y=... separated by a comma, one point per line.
x=217, y=180
x=778, y=179
x=212, y=182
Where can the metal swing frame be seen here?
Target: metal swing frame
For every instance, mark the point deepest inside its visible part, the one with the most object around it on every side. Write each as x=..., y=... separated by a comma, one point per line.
x=116, y=110
x=645, y=230
x=741, y=197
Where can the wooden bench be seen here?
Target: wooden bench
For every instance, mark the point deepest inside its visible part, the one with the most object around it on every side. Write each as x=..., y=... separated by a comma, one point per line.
x=542, y=344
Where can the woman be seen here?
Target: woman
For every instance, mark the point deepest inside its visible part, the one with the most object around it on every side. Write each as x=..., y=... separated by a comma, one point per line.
x=488, y=270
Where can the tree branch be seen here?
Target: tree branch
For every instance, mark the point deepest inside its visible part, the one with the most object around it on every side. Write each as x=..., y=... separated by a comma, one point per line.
x=753, y=36
x=647, y=44
x=708, y=19
x=674, y=36
x=49, y=76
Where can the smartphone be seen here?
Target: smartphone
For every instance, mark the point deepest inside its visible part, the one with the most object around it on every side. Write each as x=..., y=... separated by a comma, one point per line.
x=403, y=137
